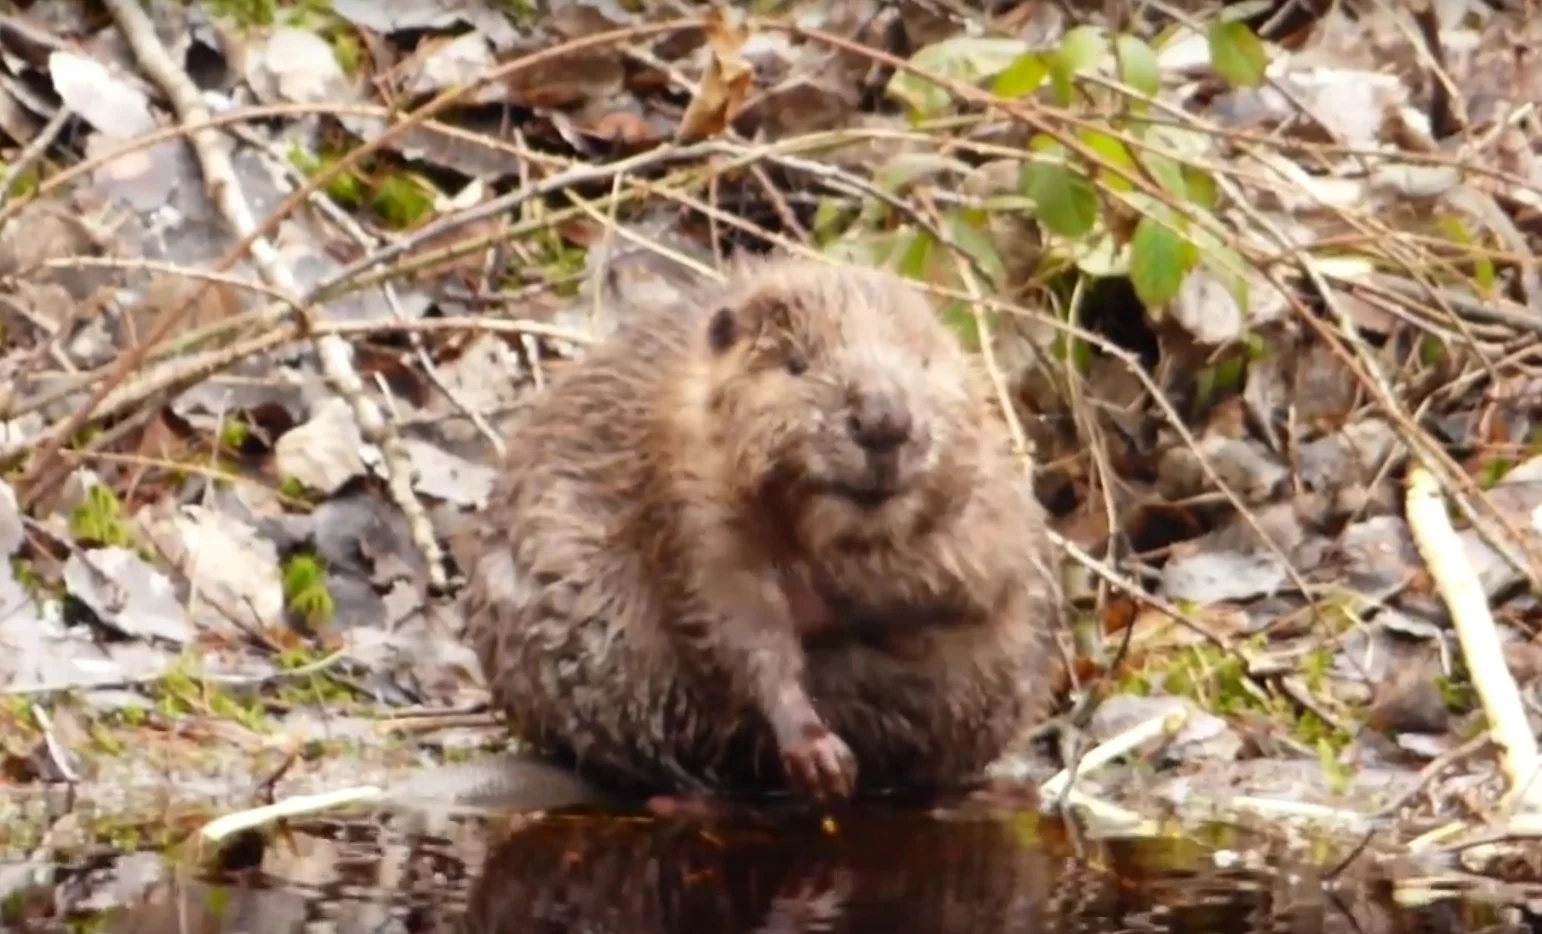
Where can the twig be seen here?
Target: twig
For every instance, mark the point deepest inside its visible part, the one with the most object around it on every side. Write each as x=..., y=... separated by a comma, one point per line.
x=1428, y=774
x=1315, y=813
x=183, y=371
x=41, y=477
x=34, y=150
x=1459, y=586
x=56, y=751
x=221, y=827
x=1168, y=725
x=332, y=352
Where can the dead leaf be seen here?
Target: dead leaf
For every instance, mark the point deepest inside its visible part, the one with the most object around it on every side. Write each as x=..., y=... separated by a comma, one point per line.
x=325, y=452
x=724, y=84
x=232, y=572
x=296, y=66
x=127, y=594
x=12, y=535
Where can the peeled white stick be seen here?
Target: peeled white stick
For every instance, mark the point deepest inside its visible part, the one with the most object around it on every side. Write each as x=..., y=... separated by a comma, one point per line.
x=1459, y=587
x=222, y=827
x=1166, y=725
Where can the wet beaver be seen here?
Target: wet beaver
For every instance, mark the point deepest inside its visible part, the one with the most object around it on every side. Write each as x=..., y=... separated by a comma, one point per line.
x=771, y=539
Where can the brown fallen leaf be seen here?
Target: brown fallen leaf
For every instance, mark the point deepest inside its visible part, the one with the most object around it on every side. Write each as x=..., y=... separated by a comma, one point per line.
x=1410, y=702
x=724, y=84
x=624, y=127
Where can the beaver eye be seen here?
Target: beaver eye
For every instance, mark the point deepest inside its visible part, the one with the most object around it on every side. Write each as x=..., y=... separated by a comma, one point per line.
x=796, y=364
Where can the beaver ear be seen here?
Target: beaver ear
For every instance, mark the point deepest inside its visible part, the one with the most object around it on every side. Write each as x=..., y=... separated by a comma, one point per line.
x=722, y=329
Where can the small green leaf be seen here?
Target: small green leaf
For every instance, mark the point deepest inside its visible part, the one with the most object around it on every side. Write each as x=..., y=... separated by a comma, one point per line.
x=908, y=167
x=1138, y=65
x=1045, y=143
x=1067, y=203
x=1236, y=53
x=1022, y=77
x=915, y=256
x=1254, y=344
x=1483, y=266
x=1112, y=152
x=963, y=322
x=1226, y=264
x=1201, y=187
x=965, y=59
x=977, y=243
x=1166, y=172
x=1159, y=259
x=1060, y=80
x=1100, y=256
x=1082, y=48
x=1487, y=278
x=827, y=215
x=1229, y=373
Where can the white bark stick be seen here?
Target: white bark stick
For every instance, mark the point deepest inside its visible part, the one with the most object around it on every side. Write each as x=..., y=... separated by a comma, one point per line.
x=1463, y=594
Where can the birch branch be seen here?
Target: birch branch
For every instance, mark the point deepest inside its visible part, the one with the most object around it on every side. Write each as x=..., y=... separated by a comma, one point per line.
x=334, y=354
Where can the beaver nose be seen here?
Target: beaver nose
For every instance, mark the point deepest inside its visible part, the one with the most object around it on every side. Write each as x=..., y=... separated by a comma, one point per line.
x=879, y=422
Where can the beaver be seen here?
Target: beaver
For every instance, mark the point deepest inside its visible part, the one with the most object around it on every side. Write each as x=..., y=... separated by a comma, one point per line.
x=770, y=539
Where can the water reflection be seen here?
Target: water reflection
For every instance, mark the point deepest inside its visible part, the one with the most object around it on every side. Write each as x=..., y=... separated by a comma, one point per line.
x=876, y=873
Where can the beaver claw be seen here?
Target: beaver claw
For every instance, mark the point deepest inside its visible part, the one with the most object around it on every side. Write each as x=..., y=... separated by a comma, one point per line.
x=821, y=766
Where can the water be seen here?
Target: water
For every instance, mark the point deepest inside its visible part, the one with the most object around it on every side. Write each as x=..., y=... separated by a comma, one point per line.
x=875, y=872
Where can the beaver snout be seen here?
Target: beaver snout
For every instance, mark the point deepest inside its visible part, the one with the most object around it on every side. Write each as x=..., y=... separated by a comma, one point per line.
x=879, y=423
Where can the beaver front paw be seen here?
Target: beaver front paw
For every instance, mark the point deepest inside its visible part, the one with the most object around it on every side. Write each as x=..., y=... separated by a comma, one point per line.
x=820, y=765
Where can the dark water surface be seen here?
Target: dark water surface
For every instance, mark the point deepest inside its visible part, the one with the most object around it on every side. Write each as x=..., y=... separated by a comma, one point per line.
x=875, y=873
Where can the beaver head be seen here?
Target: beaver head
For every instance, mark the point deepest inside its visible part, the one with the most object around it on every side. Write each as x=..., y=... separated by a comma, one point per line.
x=838, y=400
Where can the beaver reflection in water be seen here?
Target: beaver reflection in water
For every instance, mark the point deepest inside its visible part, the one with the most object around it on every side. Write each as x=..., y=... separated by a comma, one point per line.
x=772, y=539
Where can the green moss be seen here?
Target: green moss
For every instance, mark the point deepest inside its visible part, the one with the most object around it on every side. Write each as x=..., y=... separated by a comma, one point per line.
x=1493, y=471
x=1315, y=666
x=1213, y=678
x=30, y=580
x=246, y=13
x=1458, y=694
x=521, y=12
x=98, y=520
x=349, y=51
x=400, y=201
x=305, y=589
x=294, y=488
x=25, y=183
x=347, y=188
x=234, y=433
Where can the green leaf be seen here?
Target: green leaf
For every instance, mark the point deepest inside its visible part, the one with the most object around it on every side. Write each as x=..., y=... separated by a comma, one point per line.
x=1043, y=142
x=963, y=322
x=827, y=217
x=1081, y=49
x=965, y=59
x=1067, y=203
x=1159, y=259
x=1166, y=172
x=916, y=256
x=1224, y=262
x=1100, y=256
x=908, y=167
x=1483, y=266
x=1201, y=187
x=976, y=242
x=1113, y=152
x=1138, y=65
x=1022, y=77
x=1236, y=53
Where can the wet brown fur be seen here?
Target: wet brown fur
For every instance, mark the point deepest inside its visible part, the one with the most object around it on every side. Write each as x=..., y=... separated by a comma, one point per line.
x=678, y=508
